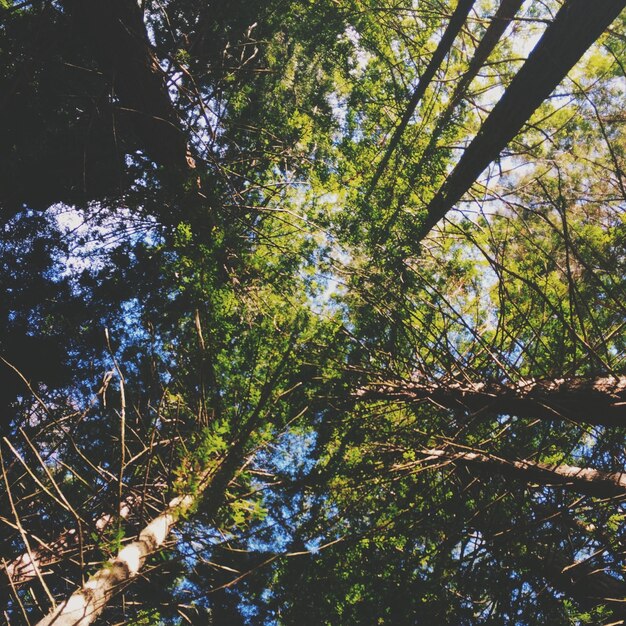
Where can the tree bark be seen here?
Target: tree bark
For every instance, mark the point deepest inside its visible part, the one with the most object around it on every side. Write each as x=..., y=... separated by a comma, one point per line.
x=84, y=606
x=600, y=401
x=587, y=481
x=574, y=29
x=23, y=568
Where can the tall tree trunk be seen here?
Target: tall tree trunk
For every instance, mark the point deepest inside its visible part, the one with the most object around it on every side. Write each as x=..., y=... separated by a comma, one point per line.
x=505, y=13
x=85, y=605
x=115, y=33
x=596, y=483
x=576, y=26
x=443, y=48
x=599, y=401
x=24, y=568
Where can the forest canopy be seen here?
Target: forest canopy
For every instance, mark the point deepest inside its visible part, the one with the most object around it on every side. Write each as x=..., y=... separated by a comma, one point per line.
x=313, y=312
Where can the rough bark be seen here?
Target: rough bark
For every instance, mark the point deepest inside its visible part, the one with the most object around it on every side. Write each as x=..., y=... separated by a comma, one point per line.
x=600, y=401
x=84, y=606
x=576, y=26
x=443, y=48
x=583, y=480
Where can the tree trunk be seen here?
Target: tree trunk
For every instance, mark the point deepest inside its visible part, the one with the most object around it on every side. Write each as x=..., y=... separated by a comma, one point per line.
x=505, y=13
x=443, y=48
x=600, y=401
x=115, y=33
x=596, y=483
x=574, y=29
x=587, y=585
x=84, y=606
x=24, y=568
x=495, y=30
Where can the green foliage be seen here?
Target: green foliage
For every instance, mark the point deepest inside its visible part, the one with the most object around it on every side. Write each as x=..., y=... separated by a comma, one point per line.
x=146, y=618
x=272, y=317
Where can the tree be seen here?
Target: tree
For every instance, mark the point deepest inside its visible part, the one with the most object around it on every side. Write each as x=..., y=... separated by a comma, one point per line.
x=256, y=376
